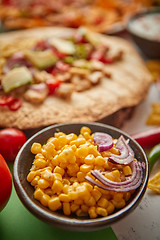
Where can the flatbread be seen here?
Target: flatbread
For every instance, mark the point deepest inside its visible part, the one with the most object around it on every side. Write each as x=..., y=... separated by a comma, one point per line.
x=127, y=87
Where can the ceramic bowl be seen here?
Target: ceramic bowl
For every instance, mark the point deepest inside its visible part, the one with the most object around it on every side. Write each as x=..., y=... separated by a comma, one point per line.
x=23, y=163
x=145, y=37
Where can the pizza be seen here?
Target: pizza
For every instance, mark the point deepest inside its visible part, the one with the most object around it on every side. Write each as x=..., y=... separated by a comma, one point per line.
x=98, y=15
x=55, y=75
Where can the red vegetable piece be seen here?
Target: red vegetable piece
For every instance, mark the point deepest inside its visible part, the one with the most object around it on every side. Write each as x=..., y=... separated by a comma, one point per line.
x=52, y=85
x=148, y=138
x=6, y=100
x=15, y=105
x=99, y=55
x=103, y=141
x=6, y=183
x=11, y=140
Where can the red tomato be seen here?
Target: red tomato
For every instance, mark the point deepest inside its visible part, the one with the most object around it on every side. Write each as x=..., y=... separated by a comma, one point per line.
x=5, y=183
x=52, y=85
x=11, y=140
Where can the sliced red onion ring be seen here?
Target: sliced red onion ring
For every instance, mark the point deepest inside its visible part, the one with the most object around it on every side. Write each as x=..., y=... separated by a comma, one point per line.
x=126, y=153
x=103, y=141
x=130, y=184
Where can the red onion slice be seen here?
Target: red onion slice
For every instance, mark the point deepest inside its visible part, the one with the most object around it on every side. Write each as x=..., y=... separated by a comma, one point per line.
x=103, y=141
x=126, y=153
x=133, y=183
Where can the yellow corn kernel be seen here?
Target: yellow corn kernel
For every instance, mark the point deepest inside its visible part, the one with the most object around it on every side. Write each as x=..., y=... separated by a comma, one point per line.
x=70, y=137
x=65, y=188
x=64, y=197
x=74, y=207
x=99, y=161
x=39, y=155
x=48, y=150
x=57, y=186
x=62, y=141
x=119, y=204
x=73, y=147
x=44, y=200
x=54, y=141
x=49, y=191
x=106, y=154
x=42, y=183
x=40, y=163
x=90, y=201
x=73, y=195
x=116, y=174
x=73, y=179
x=79, y=141
x=58, y=134
x=31, y=176
x=127, y=171
x=59, y=170
x=78, y=201
x=36, y=148
x=83, y=193
x=55, y=160
x=54, y=203
x=86, y=168
x=80, y=213
x=101, y=211
x=86, y=135
x=114, y=150
x=72, y=169
x=110, y=176
x=84, y=208
x=110, y=207
x=57, y=176
x=38, y=194
x=65, y=181
x=93, y=150
x=92, y=212
x=88, y=186
x=81, y=152
x=81, y=176
x=89, y=159
x=47, y=175
x=85, y=129
x=127, y=196
x=118, y=196
x=102, y=202
x=66, y=208
x=96, y=194
x=35, y=180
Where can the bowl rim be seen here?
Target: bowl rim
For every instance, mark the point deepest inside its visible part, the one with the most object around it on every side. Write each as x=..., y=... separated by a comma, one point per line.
x=76, y=224
x=139, y=14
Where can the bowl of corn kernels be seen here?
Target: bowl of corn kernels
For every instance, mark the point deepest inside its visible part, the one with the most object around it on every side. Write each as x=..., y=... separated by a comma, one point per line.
x=80, y=176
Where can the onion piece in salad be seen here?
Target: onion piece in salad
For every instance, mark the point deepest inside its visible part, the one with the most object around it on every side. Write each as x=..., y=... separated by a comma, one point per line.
x=129, y=184
x=103, y=141
x=126, y=153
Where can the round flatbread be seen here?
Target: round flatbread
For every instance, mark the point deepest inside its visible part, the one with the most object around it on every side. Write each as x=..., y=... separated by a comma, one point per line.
x=124, y=85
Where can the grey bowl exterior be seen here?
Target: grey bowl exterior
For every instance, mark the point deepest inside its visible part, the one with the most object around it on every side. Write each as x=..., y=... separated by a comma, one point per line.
x=25, y=191
x=150, y=48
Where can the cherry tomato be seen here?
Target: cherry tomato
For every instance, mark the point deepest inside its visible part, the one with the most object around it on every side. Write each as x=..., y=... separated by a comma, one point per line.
x=11, y=140
x=52, y=85
x=5, y=183
x=15, y=105
x=6, y=100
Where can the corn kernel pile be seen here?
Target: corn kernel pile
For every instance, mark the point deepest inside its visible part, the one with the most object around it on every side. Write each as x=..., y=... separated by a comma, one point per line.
x=58, y=175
